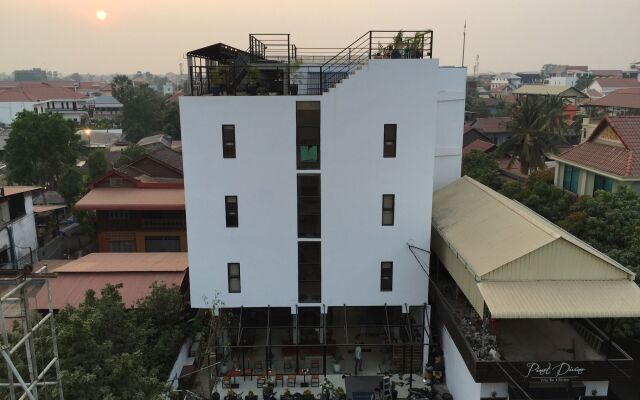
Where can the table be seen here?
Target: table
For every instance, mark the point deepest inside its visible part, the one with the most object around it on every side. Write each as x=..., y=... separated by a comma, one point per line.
x=304, y=373
x=234, y=373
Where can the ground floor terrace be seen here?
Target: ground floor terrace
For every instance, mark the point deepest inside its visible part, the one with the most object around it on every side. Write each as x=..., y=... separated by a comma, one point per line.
x=297, y=348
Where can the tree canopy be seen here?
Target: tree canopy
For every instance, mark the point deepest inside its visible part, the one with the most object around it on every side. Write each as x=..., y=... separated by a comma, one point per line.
x=71, y=185
x=129, y=154
x=97, y=164
x=40, y=148
x=483, y=168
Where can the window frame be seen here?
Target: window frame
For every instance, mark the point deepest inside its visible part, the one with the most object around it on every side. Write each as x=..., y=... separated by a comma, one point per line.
x=307, y=134
x=229, y=144
x=307, y=264
x=307, y=201
x=389, y=145
x=572, y=183
x=391, y=209
x=388, y=265
x=231, y=277
x=229, y=212
x=601, y=182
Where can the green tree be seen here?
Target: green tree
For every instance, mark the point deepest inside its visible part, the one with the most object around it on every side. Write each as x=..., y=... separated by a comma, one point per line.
x=537, y=127
x=131, y=153
x=71, y=185
x=122, y=88
x=584, y=81
x=40, y=148
x=171, y=120
x=97, y=163
x=483, y=168
x=142, y=115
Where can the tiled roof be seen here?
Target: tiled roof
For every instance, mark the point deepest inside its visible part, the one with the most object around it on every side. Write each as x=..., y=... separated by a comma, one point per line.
x=627, y=98
x=614, y=159
x=168, y=156
x=493, y=124
x=618, y=82
x=607, y=72
x=43, y=91
x=479, y=145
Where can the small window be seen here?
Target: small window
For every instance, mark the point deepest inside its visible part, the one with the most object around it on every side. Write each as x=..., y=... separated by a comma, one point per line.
x=388, y=206
x=122, y=246
x=233, y=271
x=386, y=276
x=389, y=150
x=228, y=141
x=118, y=215
x=231, y=210
x=571, y=178
x=602, y=183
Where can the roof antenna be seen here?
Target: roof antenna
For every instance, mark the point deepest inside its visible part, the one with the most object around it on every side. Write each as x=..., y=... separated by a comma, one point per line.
x=464, y=40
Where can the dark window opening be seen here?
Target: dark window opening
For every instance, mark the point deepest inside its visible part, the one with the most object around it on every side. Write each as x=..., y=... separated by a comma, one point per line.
x=602, y=183
x=571, y=178
x=309, y=206
x=386, y=276
x=233, y=271
x=390, y=131
x=122, y=246
x=231, y=210
x=388, y=209
x=228, y=141
x=308, y=134
x=309, y=272
x=16, y=206
x=5, y=257
x=159, y=244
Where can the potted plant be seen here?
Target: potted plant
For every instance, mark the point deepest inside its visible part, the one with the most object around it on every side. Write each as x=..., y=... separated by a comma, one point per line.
x=413, y=46
x=293, y=85
x=231, y=395
x=251, y=396
x=337, y=362
x=254, y=76
x=267, y=389
x=340, y=394
x=397, y=46
x=286, y=395
x=307, y=395
x=327, y=389
x=216, y=81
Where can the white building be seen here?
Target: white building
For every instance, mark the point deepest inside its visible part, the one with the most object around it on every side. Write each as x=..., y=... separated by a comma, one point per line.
x=506, y=79
x=301, y=207
x=72, y=109
x=18, y=237
x=40, y=97
x=563, y=80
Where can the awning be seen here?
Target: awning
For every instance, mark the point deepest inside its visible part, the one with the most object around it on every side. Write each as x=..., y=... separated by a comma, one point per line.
x=562, y=299
x=132, y=199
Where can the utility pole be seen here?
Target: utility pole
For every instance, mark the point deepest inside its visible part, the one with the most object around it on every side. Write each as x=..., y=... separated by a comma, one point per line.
x=464, y=40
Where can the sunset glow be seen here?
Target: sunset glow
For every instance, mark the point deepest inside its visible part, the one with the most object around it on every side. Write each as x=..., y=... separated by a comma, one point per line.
x=101, y=15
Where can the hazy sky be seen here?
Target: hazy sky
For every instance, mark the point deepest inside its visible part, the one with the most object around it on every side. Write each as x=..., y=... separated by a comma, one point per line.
x=146, y=35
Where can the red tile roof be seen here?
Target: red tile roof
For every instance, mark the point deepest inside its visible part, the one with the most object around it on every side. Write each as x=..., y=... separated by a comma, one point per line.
x=618, y=160
x=493, y=124
x=607, y=72
x=479, y=145
x=626, y=98
x=618, y=82
x=39, y=92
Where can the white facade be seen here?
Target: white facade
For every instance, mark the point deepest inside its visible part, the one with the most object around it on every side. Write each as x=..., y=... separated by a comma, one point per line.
x=9, y=110
x=73, y=109
x=17, y=230
x=563, y=80
x=427, y=104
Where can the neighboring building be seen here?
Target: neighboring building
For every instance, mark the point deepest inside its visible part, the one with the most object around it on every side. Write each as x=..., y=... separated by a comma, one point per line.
x=100, y=138
x=577, y=70
x=606, y=73
x=168, y=89
x=519, y=306
x=562, y=80
x=35, y=74
x=530, y=78
x=307, y=204
x=479, y=145
x=94, y=89
x=104, y=107
x=506, y=79
x=40, y=97
x=140, y=207
x=608, y=85
x=137, y=272
x=618, y=102
x=609, y=157
x=18, y=236
x=470, y=134
x=568, y=93
x=155, y=142
x=496, y=129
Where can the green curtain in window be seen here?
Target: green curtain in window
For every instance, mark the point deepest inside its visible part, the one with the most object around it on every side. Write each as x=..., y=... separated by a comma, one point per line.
x=308, y=153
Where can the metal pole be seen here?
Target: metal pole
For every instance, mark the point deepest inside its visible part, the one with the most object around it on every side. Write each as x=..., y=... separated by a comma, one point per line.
x=54, y=340
x=5, y=339
x=370, y=41
x=12, y=368
x=464, y=40
x=29, y=348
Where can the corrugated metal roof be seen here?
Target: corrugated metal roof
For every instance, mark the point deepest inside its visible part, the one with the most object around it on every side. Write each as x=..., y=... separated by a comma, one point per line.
x=127, y=262
x=11, y=190
x=562, y=299
x=549, y=90
x=132, y=199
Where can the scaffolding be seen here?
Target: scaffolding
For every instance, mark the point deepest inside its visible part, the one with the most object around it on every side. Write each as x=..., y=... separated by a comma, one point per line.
x=24, y=382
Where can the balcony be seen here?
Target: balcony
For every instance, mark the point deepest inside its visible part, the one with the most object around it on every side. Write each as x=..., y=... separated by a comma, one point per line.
x=530, y=352
x=273, y=65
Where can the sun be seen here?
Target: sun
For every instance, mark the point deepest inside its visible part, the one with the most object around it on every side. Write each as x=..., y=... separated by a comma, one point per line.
x=101, y=15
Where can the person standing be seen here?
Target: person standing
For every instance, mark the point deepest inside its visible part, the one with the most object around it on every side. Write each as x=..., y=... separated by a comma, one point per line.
x=358, y=356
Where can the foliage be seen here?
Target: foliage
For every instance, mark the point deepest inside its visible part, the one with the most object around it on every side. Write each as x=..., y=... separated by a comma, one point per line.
x=537, y=127
x=142, y=115
x=97, y=164
x=609, y=222
x=40, y=148
x=122, y=88
x=130, y=154
x=71, y=185
x=584, y=81
x=483, y=168
x=474, y=104
x=171, y=120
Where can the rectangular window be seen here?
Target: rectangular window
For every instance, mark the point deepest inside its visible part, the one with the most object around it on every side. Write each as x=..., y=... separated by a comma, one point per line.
x=233, y=271
x=308, y=134
x=228, y=141
x=122, y=246
x=160, y=244
x=602, y=183
x=231, y=210
x=309, y=205
x=386, y=276
x=571, y=178
x=390, y=131
x=309, y=272
x=16, y=206
x=388, y=209
x=118, y=215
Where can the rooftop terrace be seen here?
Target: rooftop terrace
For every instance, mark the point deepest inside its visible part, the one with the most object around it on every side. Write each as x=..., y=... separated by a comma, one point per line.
x=273, y=65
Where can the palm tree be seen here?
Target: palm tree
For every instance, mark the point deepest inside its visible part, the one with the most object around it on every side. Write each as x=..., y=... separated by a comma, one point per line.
x=537, y=127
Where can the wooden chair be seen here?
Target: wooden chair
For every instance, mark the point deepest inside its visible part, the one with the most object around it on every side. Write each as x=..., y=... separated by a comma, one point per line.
x=291, y=380
x=287, y=365
x=249, y=372
x=315, y=365
x=226, y=382
x=261, y=381
x=315, y=380
x=279, y=377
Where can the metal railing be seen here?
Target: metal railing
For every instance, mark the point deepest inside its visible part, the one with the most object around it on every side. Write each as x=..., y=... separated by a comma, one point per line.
x=273, y=65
